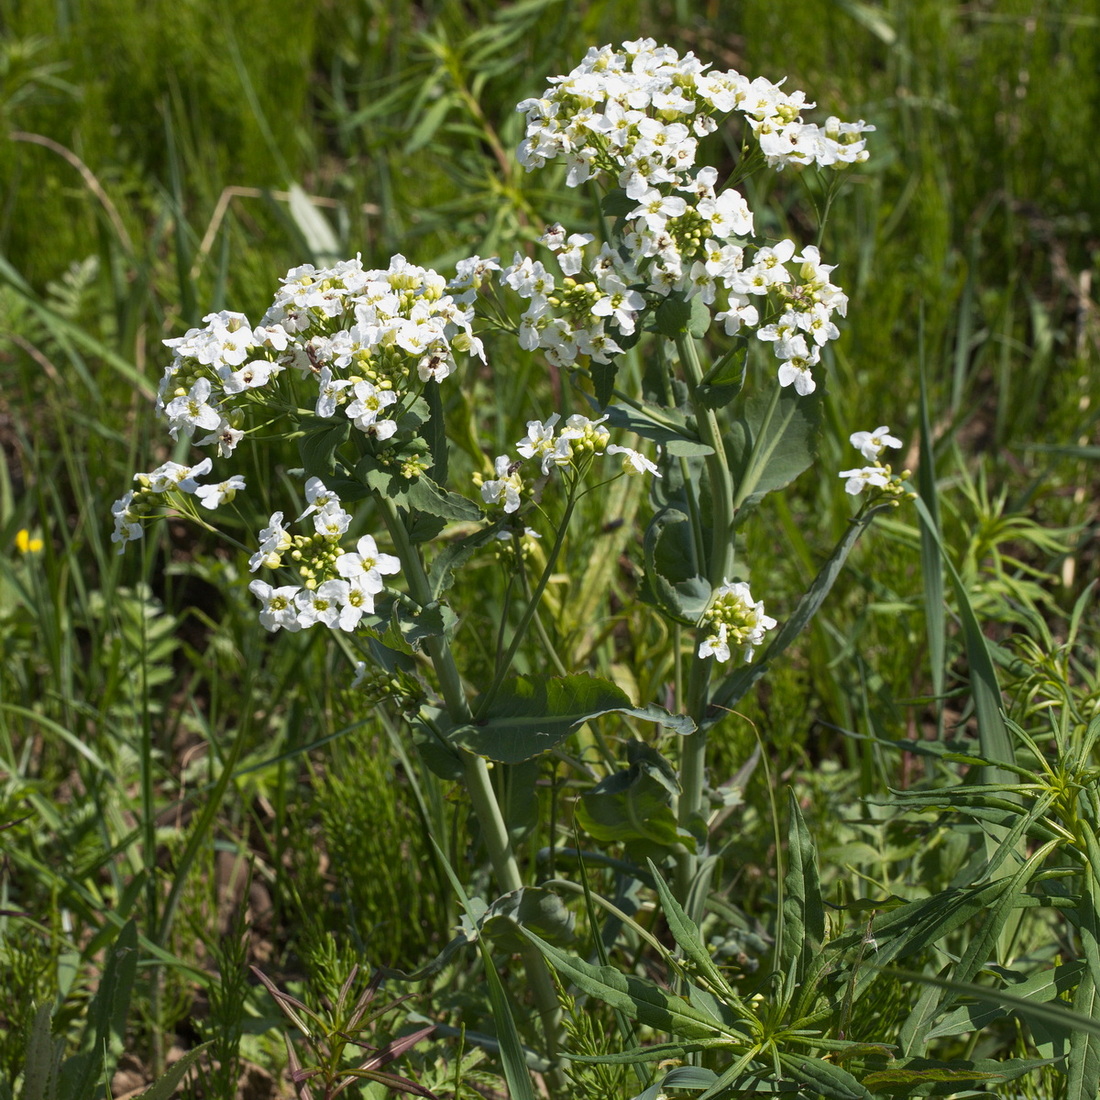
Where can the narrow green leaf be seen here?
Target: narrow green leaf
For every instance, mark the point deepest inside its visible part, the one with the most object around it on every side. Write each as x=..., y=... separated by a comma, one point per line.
x=688, y=938
x=733, y=688
x=823, y=1078
x=931, y=564
x=1083, y=1056
x=164, y=1088
x=43, y=1062
x=513, y=1061
x=1047, y=985
x=639, y=999
x=664, y=426
x=803, y=910
x=992, y=732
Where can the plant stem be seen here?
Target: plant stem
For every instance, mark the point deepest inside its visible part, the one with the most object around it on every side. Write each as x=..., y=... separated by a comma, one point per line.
x=690, y=806
x=478, y=782
x=505, y=662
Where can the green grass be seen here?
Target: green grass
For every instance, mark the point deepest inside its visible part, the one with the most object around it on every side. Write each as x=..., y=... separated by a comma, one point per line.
x=149, y=734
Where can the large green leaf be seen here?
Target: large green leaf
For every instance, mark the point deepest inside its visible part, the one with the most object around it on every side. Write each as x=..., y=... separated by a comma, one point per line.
x=532, y=714
x=666, y=427
x=772, y=442
x=675, y=581
x=319, y=442
x=80, y=1075
x=531, y=907
x=634, y=806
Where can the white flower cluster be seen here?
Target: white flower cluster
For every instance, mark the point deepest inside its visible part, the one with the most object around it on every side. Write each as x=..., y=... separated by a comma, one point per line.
x=366, y=339
x=636, y=114
x=554, y=449
x=338, y=586
x=878, y=476
x=734, y=618
x=170, y=477
x=640, y=112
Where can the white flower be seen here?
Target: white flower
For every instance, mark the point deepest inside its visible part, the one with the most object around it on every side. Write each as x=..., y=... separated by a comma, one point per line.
x=872, y=444
x=506, y=487
x=317, y=496
x=734, y=616
x=329, y=392
x=539, y=442
x=275, y=540
x=634, y=462
x=192, y=410
x=222, y=493
x=366, y=566
x=171, y=476
x=365, y=410
x=279, y=611
x=330, y=521
x=127, y=528
x=860, y=479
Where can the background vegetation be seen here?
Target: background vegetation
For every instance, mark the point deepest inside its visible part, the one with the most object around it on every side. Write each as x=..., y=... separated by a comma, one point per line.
x=164, y=761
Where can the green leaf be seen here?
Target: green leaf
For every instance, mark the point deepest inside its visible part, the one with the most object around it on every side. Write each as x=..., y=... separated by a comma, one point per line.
x=425, y=495
x=43, y=1062
x=603, y=382
x=513, y=1062
x=456, y=554
x=688, y=938
x=416, y=625
x=80, y=1074
x=992, y=733
x=669, y=429
x=725, y=380
x=1083, y=1057
x=532, y=714
x=435, y=433
x=803, y=910
x=1047, y=985
x=320, y=442
x=733, y=688
x=787, y=432
x=639, y=999
x=532, y=907
x=824, y=1078
x=617, y=204
x=947, y=1078
x=634, y=806
x=931, y=565
x=677, y=316
x=164, y=1088
x=674, y=580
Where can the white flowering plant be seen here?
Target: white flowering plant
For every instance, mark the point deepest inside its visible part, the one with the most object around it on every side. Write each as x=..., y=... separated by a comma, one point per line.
x=697, y=351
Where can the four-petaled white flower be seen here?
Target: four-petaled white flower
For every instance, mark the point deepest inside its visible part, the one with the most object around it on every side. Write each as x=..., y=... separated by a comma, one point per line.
x=860, y=479
x=872, y=444
x=221, y=493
